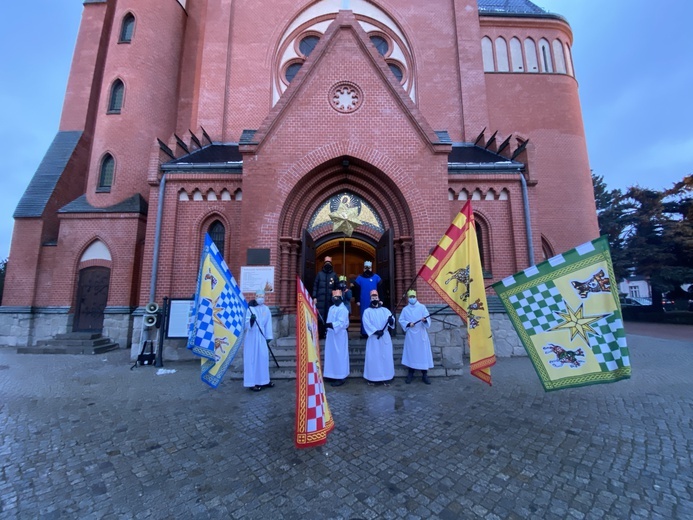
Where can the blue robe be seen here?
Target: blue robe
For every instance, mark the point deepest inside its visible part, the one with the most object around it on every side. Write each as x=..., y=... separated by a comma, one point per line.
x=366, y=285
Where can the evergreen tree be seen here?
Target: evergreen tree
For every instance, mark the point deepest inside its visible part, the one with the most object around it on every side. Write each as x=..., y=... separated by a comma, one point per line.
x=612, y=222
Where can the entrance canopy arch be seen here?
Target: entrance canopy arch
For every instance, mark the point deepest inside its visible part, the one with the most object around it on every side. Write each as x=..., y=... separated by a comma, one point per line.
x=352, y=175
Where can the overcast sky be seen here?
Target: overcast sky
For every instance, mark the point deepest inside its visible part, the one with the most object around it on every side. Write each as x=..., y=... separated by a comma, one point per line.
x=632, y=60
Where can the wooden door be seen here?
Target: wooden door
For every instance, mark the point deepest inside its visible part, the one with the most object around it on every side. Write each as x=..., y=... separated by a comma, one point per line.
x=92, y=297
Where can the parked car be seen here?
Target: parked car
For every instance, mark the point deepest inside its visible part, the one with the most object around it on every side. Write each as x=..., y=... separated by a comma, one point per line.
x=668, y=304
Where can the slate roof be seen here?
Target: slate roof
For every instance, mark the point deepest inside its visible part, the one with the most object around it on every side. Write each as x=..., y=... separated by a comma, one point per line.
x=515, y=8
x=213, y=156
x=467, y=156
x=42, y=184
x=134, y=204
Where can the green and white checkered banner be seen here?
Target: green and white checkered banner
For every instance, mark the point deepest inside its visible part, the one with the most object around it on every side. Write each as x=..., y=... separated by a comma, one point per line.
x=567, y=314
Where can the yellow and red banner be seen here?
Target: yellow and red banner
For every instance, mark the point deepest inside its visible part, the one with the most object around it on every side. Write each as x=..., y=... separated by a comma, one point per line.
x=454, y=271
x=313, y=418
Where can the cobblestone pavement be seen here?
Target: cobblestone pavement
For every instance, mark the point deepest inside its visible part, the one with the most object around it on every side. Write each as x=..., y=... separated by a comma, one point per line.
x=85, y=437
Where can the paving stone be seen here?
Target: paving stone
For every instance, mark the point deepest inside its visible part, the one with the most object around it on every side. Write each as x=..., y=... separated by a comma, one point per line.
x=92, y=439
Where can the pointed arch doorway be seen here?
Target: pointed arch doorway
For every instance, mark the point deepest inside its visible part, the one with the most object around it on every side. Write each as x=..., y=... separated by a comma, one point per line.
x=307, y=234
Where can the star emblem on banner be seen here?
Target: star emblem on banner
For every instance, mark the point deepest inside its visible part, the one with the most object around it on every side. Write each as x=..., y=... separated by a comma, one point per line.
x=577, y=323
x=345, y=219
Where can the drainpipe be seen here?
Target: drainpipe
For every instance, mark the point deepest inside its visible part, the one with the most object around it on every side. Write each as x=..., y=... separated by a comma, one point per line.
x=528, y=224
x=157, y=238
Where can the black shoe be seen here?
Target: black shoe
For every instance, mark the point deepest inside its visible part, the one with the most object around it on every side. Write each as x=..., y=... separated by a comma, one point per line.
x=425, y=379
x=338, y=382
x=409, y=378
x=364, y=336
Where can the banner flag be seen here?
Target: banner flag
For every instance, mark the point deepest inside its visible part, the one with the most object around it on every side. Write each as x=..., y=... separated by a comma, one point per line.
x=454, y=271
x=567, y=313
x=313, y=418
x=217, y=316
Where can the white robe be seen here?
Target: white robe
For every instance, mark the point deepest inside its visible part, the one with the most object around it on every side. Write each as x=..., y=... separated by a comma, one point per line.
x=417, y=346
x=379, y=365
x=337, y=343
x=255, y=351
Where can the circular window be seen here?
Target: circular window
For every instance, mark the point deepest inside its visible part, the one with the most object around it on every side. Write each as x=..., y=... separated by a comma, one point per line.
x=380, y=44
x=308, y=44
x=291, y=71
x=345, y=97
x=397, y=71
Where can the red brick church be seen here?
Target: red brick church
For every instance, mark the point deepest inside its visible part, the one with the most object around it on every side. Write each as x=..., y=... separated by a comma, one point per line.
x=252, y=121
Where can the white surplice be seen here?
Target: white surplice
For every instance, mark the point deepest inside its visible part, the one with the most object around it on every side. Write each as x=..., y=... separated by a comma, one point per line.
x=379, y=365
x=337, y=343
x=255, y=351
x=417, y=346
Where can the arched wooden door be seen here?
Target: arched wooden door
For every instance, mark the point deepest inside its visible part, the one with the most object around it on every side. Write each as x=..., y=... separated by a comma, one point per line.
x=92, y=296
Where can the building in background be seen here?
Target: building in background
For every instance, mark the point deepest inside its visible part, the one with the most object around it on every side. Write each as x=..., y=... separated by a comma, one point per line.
x=253, y=121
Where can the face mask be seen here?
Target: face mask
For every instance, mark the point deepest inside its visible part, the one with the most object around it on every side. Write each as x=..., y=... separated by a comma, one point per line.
x=412, y=301
x=337, y=301
x=327, y=268
x=374, y=303
x=368, y=273
x=260, y=301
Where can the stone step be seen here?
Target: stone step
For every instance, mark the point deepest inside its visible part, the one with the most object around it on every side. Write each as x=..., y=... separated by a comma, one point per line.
x=286, y=372
x=284, y=350
x=78, y=335
x=71, y=343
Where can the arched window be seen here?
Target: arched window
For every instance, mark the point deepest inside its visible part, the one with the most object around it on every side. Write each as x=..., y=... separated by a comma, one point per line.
x=115, y=101
x=396, y=70
x=483, y=240
x=106, y=173
x=531, y=55
x=502, y=55
x=560, y=58
x=217, y=233
x=127, y=28
x=569, y=60
x=381, y=44
x=546, y=249
x=516, y=55
x=487, y=54
x=545, y=56
x=292, y=70
x=307, y=44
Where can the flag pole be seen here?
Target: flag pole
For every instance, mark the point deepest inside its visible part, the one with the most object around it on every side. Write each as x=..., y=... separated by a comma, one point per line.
x=405, y=294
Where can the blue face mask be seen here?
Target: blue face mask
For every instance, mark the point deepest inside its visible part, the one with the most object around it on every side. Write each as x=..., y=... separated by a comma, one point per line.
x=260, y=301
x=412, y=301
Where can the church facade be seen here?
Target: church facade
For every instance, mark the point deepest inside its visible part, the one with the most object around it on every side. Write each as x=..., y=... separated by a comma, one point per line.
x=253, y=121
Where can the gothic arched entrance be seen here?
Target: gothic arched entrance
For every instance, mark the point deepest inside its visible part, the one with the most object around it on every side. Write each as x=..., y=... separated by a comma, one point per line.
x=306, y=235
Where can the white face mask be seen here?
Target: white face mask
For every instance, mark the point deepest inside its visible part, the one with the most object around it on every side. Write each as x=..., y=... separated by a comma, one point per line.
x=260, y=301
x=412, y=301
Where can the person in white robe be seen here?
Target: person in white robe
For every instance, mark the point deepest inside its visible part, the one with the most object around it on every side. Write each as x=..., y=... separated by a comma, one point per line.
x=417, y=354
x=258, y=334
x=337, y=341
x=379, y=367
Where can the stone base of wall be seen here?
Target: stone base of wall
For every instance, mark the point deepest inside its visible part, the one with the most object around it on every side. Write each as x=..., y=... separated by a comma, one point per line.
x=24, y=326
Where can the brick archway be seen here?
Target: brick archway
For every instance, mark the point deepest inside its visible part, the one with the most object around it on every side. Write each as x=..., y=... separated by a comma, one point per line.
x=368, y=182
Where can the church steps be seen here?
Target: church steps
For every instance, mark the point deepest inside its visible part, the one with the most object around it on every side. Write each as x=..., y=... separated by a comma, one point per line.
x=285, y=352
x=72, y=343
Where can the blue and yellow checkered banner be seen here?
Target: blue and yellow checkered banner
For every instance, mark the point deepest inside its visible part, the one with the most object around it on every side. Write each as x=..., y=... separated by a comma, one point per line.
x=217, y=317
x=568, y=316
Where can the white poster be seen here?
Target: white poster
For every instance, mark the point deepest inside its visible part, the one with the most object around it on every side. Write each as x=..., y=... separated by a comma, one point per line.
x=178, y=316
x=257, y=277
